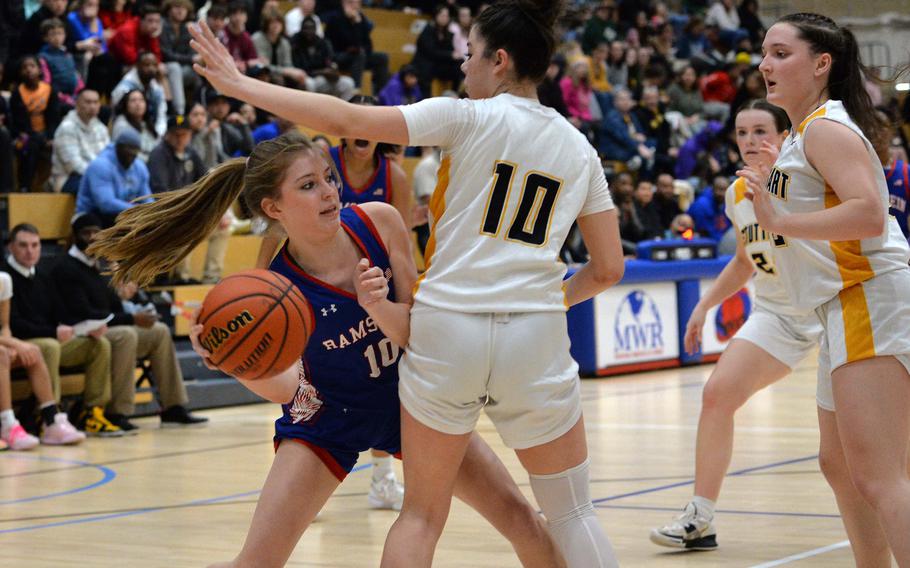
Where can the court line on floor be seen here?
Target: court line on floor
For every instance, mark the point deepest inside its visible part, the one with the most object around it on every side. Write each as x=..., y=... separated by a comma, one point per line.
x=803, y=555
x=628, y=392
x=727, y=511
x=145, y=510
x=136, y=459
x=108, y=476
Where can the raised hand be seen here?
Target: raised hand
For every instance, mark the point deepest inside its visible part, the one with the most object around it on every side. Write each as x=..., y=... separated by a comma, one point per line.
x=217, y=65
x=370, y=283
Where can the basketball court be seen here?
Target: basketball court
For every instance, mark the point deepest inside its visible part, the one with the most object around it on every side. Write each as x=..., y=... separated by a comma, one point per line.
x=184, y=498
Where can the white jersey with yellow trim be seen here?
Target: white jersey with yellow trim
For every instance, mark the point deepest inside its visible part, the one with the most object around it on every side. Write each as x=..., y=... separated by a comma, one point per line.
x=814, y=271
x=513, y=178
x=770, y=292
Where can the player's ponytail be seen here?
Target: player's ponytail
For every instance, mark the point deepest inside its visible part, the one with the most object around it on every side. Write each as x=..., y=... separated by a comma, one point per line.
x=152, y=238
x=526, y=29
x=846, y=79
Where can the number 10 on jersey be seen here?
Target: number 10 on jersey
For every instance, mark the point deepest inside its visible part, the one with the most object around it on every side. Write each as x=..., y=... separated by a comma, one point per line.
x=531, y=222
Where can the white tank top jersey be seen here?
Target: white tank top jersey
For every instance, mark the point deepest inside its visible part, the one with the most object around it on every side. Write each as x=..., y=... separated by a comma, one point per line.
x=815, y=271
x=770, y=291
x=513, y=178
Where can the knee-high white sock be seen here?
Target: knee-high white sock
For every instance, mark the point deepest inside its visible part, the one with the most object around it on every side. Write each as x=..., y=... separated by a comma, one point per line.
x=565, y=500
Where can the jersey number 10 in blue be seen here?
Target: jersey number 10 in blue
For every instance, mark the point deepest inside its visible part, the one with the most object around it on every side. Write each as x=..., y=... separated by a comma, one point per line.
x=531, y=223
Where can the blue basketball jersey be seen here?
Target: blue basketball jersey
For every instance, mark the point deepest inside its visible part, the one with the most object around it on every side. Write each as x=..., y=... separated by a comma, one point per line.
x=378, y=188
x=348, y=393
x=899, y=192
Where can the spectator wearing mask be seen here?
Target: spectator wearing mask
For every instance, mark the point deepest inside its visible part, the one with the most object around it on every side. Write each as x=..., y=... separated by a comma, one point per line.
x=57, y=65
x=708, y=210
x=36, y=316
x=34, y=116
x=80, y=138
x=87, y=294
x=314, y=55
x=113, y=180
x=348, y=30
x=144, y=77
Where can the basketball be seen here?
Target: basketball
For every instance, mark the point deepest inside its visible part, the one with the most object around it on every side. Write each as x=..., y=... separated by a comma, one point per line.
x=255, y=324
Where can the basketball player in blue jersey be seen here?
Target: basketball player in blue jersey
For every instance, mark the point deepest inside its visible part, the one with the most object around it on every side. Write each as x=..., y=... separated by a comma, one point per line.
x=897, y=175
x=354, y=266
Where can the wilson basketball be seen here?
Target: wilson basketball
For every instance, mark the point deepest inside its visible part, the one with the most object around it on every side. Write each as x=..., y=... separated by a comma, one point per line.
x=255, y=324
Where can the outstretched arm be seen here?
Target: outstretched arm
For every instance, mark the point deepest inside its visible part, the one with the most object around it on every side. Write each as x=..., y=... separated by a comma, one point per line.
x=321, y=112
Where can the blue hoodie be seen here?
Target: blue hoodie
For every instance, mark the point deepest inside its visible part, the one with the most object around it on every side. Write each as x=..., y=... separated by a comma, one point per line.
x=108, y=188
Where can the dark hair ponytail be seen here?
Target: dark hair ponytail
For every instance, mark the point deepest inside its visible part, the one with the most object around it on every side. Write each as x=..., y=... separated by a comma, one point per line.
x=526, y=30
x=781, y=120
x=845, y=81
x=153, y=238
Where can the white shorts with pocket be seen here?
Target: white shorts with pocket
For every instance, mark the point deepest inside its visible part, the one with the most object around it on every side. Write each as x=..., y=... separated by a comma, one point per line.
x=867, y=320
x=787, y=338
x=516, y=366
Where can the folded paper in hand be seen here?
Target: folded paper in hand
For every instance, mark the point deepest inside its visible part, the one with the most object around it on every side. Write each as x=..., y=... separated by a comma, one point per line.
x=85, y=327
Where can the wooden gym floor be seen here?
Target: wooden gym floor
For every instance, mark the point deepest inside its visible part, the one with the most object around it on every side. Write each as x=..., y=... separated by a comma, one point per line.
x=184, y=498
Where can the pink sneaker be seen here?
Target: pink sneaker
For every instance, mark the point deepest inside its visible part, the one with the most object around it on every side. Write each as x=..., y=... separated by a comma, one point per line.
x=61, y=432
x=18, y=439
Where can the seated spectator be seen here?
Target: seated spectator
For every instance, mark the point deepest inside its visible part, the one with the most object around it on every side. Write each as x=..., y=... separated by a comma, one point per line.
x=698, y=149
x=36, y=316
x=236, y=135
x=272, y=129
x=314, y=55
x=87, y=294
x=32, y=37
x=725, y=16
x=750, y=21
x=88, y=39
x=646, y=210
x=630, y=227
x=460, y=29
x=34, y=116
x=692, y=44
x=113, y=180
x=176, y=53
x=435, y=57
x=145, y=77
x=549, y=91
x=206, y=137
x=57, y=65
x=682, y=227
x=274, y=49
x=621, y=134
x=237, y=40
x=597, y=64
x=293, y=20
x=348, y=30
x=577, y=93
x=113, y=14
x=603, y=25
x=174, y=164
x=80, y=138
x=656, y=129
x=17, y=353
x=708, y=210
x=402, y=88
x=132, y=114
x=617, y=66
x=665, y=200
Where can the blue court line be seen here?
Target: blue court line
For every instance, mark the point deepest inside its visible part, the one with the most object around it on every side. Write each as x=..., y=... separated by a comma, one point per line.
x=109, y=475
x=727, y=511
x=143, y=511
x=691, y=481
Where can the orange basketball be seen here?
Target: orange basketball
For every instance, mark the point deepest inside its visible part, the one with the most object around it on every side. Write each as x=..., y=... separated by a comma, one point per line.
x=255, y=324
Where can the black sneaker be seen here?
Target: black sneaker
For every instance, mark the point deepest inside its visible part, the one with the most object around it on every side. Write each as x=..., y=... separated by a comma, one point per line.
x=123, y=423
x=178, y=415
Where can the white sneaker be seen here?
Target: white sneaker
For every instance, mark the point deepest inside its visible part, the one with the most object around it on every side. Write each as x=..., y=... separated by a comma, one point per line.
x=691, y=531
x=61, y=432
x=18, y=439
x=386, y=493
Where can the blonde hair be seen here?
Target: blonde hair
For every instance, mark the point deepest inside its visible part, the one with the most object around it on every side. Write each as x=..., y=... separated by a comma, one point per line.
x=152, y=238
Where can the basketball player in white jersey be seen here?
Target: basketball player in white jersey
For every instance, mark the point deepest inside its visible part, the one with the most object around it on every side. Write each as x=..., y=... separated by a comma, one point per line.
x=773, y=340
x=488, y=323
x=846, y=260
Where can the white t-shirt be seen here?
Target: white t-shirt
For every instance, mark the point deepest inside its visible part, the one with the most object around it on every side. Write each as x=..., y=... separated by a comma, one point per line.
x=6, y=287
x=514, y=177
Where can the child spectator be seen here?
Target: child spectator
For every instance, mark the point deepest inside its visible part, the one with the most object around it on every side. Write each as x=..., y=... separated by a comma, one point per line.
x=402, y=88
x=34, y=116
x=577, y=93
x=32, y=37
x=57, y=65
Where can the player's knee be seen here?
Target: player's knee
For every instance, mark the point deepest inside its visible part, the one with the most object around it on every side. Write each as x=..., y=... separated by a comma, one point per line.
x=875, y=488
x=833, y=468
